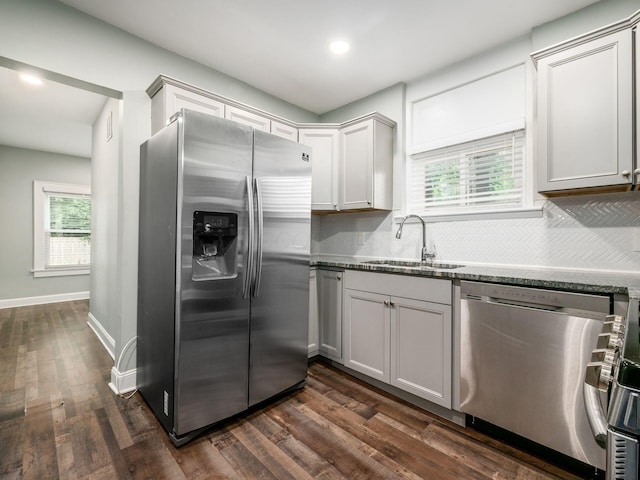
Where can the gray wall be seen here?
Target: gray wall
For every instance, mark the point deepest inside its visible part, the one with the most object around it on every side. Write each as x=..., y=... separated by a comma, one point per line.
x=104, y=247
x=18, y=169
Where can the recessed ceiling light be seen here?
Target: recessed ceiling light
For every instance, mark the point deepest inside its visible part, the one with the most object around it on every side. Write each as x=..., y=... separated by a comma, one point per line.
x=30, y=79
x=339, y=47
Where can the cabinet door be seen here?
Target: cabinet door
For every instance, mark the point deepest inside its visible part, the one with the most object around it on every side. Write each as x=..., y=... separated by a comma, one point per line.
x=421, y=349
x=330, y=313
x=324, y=145
x=585, y=105
x=171, y=99
x=366, y=331
x=356, y=178
x=636, y=62
x=247, y=118
x=314, y=327
x=285, y=131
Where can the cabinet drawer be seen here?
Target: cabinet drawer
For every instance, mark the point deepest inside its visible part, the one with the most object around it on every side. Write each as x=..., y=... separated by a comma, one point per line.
x=418, y=288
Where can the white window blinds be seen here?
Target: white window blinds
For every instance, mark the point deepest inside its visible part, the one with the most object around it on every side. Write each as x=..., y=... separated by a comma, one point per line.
x=61, y=229
x=484, y=174
x=67, y=229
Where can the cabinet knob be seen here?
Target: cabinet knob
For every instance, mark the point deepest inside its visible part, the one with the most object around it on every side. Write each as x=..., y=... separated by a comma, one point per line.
x=392, y=304
x=636, y=171
x=626, y=173
x=338, y=277
x=386, y=303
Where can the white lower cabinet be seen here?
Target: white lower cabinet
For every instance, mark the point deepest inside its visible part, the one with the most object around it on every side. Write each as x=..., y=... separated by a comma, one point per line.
x=329, y=283
x=314, y=327
x=397, y=329
x=421, y=349
x=367, y=322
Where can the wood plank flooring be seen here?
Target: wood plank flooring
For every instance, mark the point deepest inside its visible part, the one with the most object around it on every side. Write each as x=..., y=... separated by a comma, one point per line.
x=58, y=419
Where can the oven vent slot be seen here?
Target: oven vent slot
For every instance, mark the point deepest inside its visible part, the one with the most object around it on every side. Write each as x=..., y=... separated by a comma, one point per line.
x=622, y=461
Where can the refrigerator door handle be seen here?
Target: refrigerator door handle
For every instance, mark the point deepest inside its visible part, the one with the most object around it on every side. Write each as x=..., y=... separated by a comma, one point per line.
x=260, y=235
x=249, y=264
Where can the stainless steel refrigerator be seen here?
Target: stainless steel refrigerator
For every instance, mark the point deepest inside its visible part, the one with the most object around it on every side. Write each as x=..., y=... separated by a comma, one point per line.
x=223, y=273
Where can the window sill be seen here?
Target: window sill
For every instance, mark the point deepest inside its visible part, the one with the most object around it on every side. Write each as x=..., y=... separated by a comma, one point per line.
x=62, y=271
x=529, y=212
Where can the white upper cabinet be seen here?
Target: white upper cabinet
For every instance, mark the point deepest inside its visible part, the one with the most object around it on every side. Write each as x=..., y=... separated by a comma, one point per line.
x=366, y=169
x=170, y=99
x=284, y=130
x=351, y=162
x=168, y=96
x=585, y=112
x=325, y=149
x=247, y=118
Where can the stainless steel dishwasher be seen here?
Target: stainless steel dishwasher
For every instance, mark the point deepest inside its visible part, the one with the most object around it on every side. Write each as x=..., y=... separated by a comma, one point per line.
x=524, y=353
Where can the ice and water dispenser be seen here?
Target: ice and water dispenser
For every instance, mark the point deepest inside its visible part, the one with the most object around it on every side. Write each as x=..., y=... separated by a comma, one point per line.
x=215, y=245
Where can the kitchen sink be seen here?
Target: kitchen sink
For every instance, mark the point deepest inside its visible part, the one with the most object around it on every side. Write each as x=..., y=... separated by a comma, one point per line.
x=413, y=264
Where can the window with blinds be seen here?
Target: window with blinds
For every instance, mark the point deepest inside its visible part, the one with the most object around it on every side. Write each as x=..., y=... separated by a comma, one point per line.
x=67, y=230
x=61, y=229
x=484, y=174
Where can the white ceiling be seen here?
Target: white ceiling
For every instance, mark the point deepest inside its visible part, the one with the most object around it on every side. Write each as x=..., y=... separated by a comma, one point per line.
x=280, y=47
x=52, y=117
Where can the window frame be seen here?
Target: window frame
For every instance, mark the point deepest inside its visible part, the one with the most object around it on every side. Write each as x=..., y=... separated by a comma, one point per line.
x=40, y=191
x=528, y=208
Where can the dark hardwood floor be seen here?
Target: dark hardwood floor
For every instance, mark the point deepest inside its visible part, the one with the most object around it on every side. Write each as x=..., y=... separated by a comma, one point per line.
x=58, y=419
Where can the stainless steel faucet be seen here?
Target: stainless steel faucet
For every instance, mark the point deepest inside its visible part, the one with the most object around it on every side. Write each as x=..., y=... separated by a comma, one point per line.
x=425, y=256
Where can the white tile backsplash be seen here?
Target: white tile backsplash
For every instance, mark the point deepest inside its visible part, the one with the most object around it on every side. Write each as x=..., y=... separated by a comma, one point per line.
x=582, y=232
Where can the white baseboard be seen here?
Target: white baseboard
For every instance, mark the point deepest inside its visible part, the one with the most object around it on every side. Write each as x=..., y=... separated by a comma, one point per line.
x=123, y=382
x=27, y=301
x=107, y=340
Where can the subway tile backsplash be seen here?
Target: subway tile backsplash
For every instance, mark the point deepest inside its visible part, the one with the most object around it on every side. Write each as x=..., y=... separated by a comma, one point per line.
x=598, y=232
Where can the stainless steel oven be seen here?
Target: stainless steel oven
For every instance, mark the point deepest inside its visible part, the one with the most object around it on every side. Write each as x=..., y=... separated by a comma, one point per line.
x=615, y=370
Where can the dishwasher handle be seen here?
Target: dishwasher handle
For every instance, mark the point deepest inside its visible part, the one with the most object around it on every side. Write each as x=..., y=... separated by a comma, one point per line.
x=595, y=413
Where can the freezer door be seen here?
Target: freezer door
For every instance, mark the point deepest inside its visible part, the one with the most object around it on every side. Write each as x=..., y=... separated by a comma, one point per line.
x=212, y=346
x=156, y=271
x=280, y=294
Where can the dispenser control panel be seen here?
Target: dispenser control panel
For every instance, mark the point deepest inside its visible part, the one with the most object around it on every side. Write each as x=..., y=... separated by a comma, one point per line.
x=214, y=245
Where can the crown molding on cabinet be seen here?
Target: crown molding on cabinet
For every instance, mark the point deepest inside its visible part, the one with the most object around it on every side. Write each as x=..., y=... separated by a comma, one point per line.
x=163, y=80
x=624, y=24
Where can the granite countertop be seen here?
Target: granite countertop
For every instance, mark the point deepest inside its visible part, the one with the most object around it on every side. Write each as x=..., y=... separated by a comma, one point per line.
x=576, y=281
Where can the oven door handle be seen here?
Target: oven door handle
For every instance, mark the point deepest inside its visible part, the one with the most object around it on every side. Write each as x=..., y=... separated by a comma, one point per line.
x=595, y=413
